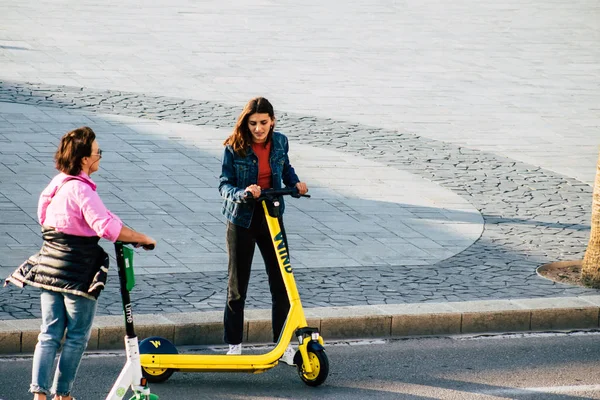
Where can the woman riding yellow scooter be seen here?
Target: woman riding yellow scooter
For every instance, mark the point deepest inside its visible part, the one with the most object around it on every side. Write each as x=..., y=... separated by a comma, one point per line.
x=255, y=158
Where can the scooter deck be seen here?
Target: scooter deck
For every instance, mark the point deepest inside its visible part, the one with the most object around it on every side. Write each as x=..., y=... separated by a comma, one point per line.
x=207, y=363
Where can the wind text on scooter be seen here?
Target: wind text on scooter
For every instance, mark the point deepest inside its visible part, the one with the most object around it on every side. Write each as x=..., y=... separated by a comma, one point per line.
x=283, y=253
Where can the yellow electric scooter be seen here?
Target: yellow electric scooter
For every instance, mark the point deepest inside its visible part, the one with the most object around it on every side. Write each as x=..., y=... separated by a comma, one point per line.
x=160, y=358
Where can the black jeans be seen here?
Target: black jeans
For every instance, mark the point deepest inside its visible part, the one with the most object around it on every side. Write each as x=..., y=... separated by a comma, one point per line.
x=240, y=247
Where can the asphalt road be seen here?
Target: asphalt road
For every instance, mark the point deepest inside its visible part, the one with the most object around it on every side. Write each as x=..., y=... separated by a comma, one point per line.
x=548, y=366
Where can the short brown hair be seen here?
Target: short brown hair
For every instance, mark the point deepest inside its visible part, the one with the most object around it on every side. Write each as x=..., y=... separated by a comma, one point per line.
x=73, y=147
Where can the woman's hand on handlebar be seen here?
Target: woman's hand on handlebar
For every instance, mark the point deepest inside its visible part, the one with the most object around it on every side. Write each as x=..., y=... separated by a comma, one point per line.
x=302, y=188
x=128, y=235
x=254, y=190
x=147, y=244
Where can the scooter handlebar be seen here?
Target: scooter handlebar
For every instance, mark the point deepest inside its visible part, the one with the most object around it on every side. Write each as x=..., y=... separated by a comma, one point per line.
x=271, y=193
x=144, y=246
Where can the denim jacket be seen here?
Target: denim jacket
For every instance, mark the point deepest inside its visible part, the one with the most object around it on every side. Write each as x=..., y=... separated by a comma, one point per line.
x=237, y=173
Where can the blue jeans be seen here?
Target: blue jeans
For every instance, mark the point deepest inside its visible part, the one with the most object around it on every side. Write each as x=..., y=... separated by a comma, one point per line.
x=60, y=312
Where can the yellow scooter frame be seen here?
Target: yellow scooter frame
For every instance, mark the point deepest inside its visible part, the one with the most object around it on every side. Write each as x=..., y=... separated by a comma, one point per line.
x=159, y=358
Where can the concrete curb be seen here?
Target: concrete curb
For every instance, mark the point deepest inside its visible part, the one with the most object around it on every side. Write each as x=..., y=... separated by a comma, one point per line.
x=380, y=321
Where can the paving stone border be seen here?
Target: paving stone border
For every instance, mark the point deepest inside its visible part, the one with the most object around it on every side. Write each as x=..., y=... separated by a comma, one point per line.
x=532, y=216
x=335, y=323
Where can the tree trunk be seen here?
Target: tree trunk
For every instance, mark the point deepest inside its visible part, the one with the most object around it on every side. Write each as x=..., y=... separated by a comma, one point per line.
x=590, y=269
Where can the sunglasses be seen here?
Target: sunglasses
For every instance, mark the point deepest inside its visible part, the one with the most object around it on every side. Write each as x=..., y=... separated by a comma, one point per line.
x=99, y=154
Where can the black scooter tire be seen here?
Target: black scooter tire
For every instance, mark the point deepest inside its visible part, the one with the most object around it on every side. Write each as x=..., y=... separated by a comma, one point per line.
x=320, y=366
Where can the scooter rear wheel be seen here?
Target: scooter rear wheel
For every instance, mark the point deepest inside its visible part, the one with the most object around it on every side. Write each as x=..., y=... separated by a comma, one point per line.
x=320, y=368
x=157, y=375
x=157, y=345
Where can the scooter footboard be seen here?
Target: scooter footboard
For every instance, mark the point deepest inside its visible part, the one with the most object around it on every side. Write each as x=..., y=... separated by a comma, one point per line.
x=208, y=363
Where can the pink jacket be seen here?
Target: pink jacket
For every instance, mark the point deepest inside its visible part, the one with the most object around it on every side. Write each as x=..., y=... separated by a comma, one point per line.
x=76, y=208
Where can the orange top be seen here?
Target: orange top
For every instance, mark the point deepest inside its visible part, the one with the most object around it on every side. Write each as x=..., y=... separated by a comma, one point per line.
x=263, y=151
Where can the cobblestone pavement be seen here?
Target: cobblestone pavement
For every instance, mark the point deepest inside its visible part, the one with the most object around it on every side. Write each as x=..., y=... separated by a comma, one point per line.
x=532, y=216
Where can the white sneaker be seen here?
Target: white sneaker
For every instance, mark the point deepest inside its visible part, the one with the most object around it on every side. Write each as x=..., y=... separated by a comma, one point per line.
x=288, y=355
x=235, y=349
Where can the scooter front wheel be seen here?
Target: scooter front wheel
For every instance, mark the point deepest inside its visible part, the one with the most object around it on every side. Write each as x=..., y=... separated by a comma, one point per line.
x=320, y=368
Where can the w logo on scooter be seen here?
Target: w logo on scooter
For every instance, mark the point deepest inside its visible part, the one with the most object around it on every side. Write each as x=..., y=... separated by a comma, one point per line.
x=283, y=253
x=157, y=345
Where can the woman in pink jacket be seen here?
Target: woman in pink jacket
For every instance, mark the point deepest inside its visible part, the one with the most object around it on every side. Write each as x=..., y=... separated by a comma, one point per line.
x=71, y=267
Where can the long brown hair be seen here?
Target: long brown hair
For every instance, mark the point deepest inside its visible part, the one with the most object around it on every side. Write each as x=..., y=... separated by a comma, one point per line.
x=241, y=138
x=73, y=147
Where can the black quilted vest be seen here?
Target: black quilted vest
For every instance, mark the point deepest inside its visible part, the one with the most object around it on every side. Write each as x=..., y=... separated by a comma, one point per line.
x=65, y=263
